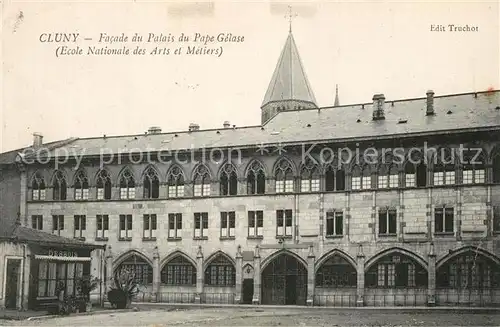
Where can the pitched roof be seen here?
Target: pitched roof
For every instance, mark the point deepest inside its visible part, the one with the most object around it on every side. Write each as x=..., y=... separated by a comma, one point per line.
x=459, y=112
x=12, y=231
x=289, y=81
x=9, y=157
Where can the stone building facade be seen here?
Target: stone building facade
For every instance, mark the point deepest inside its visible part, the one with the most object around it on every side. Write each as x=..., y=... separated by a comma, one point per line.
x=379, y=203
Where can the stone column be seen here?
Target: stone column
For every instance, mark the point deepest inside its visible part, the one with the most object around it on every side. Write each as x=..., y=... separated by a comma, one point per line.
x=156, y=275
x=109, y=267
x=360, y=292
x=431, y=291
x=311, y=276
x=239, y=262
x=256, y=276
x=26, y=279
x=199, y=275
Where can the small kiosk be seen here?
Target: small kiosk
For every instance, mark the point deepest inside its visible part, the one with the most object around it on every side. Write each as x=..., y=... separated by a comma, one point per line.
x=33, y=263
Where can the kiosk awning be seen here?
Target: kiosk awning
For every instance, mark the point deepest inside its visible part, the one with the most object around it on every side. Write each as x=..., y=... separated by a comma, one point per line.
x=60, y=258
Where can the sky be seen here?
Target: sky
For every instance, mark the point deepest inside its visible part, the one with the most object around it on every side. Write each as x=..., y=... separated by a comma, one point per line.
x=365, y=47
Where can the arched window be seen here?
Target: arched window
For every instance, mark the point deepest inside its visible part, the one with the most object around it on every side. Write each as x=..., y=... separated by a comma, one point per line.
x=336, y=272
x=256, y=179
x=38, y=188
x=228, y=180
x=139, y=268
x=103, y=185
x=81, y=186
x=283, y=174
x=179, y=271
x=473, y=171
x=127, y=185
x=396, y=270
x=444, y=169
x=59, y=186
x=388, y=176
x=151, y=184
x=334, y=179
x=201, y=181
x=309, y=177
x=175, y=180
x=220, y=272
x=496, y=168
x=468, y=270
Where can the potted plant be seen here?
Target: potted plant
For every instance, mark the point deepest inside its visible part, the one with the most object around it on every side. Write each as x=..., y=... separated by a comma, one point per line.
x=123, y=289
x=85, y=285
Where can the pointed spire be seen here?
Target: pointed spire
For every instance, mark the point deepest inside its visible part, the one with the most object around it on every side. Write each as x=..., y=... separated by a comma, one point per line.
x=336, y=103
x=289, y=81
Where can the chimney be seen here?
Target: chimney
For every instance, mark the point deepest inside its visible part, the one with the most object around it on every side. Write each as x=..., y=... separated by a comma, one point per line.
x=378, y=107
x=37, y=140
x=226, y=124
x=430, y=103
x=194, y=127
x=154, y=130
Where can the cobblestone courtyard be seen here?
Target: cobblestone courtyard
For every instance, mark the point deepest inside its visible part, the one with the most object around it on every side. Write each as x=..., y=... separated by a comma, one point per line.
x=272, y=317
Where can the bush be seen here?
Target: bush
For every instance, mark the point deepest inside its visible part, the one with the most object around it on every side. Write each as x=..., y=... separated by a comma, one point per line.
x=123, y=289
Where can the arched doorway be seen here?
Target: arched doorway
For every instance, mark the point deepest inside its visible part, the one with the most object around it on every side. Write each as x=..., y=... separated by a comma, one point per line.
x=284, y=281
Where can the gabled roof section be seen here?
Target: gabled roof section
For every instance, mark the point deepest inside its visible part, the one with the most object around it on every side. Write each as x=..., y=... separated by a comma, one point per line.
x=289, y=81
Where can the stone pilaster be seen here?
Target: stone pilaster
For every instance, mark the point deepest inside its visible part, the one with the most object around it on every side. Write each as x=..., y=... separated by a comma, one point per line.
x=23, y=196
x=239, y=262
x=431, y=291
x=311, y=276
x=270, y=185
x=156, y=275
x=360, y=294
x=109, y=267
x=256, y=276
x=199, y=275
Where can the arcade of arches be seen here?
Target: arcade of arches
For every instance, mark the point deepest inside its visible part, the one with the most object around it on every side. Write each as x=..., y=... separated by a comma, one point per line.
x=285, y=277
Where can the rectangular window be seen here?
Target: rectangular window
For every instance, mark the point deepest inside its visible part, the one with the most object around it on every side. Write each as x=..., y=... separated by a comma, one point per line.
x=255, y=223
x=410, y=180
x=201, y=224
x=51, y=274
x=57, y=224
x=127, y=193
x=174, y=225
x=227, y=224
x=80, y=226
x=438, y=178
x=382, y=181
x=175, y=191
x=356, y=183
x=284, y=222
x=201, y=189
x=38, y=195
x=149, y=227
x=479, y=176
x=100, y=193
x=496, y=218
x=37, y=222
x=125, y=227
x=367, y=182
x=467, y=177
x=393, y=180
x=82, y=194
x=387, y=222
x=443, y=220
x=334, y=223
x=102, y=228
x=449, y=178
